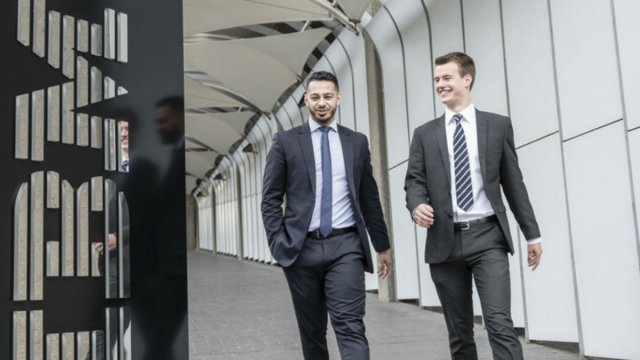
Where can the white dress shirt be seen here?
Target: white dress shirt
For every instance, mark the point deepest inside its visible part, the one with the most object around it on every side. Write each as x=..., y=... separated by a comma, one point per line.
x=342, y=211
x=481, y=206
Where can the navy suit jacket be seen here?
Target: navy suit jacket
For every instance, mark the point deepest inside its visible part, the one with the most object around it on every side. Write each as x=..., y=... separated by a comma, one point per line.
x=290, y=178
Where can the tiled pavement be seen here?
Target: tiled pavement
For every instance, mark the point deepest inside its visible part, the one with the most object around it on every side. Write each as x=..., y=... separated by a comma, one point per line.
x=241, y=310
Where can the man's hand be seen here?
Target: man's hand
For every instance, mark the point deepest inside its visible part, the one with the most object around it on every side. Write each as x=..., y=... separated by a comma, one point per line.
x=423, y=215
x=384, y=264
x=534, y=254
x=112, y=242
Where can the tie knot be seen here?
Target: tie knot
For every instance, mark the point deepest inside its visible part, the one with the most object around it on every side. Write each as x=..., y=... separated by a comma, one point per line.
x=457, y=118
x=325, y=129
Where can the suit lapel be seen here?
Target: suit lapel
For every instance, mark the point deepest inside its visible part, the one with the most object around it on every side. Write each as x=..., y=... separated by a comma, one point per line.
x=441, y=135
x=347, y=152
x=306, y=148
x=482, y=128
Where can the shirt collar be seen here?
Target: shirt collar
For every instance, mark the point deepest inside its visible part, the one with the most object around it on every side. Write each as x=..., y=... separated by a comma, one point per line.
x=313, y=125
x=468, y=114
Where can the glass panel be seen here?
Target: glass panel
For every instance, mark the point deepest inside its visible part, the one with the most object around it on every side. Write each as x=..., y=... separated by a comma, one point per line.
x=68, y=117
x=109, y=88
x=20, y=243
x=96, y=85
x=83, y=36
x=37, y=125
x=53, y=346
x=20, y=335
x=24, y=21
x=96, y=39
x=39, y=25
x=96, y=193
x=67, y=228
x=68, y=346
x=123, y=38
x=54, y=39
x=36, y=335
x=123, y=255
x=96, y=132
x=22, y=126
x=110, y=244
x=110, y=140
x=97, y=337
x=53, y=113
x=111, y=331
x=53, y=190
x=82, y=82
x=82, y=121
x=124, y=341
x=109, y=34
x=53, y=258
x=83, y=344
x=37, y=235
x=68, y=43
x=82, y=228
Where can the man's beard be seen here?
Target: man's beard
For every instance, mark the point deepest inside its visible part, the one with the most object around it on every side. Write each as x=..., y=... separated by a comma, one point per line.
x=325, y=120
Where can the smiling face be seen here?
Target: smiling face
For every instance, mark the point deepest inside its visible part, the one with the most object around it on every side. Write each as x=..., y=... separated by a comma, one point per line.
x=322, y=98
x=453, y=89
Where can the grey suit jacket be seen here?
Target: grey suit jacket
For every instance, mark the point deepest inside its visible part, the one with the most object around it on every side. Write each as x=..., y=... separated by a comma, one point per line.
x=290, y=172
x=428, y=180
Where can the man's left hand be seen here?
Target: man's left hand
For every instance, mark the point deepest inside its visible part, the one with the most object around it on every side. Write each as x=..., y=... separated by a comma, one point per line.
x=384, y=263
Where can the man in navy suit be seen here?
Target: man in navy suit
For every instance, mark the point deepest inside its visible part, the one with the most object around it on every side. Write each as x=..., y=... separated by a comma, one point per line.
x=321, y=171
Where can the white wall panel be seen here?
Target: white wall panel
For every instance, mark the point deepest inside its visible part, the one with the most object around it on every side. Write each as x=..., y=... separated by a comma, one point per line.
x=387, y=41
x=483, y=40
x=405, y=249
x=283, y=119
x=529, y=61
x=354, y=46
x=551, y=318
x=634, y=150
x=628, y=28
x=587, y=69
x=604, y=242
x=337, y=57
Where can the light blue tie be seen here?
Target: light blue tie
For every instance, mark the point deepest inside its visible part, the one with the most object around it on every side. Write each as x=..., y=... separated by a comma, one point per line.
x=464, y=188
x=327, y=182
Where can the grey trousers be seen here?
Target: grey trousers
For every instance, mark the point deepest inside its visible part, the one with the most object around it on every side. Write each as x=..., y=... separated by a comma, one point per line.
x=328, y=276
x=478, y=253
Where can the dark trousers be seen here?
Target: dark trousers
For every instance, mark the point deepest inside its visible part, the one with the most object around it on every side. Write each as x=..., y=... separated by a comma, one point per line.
x=478, y=253
x=328, y=276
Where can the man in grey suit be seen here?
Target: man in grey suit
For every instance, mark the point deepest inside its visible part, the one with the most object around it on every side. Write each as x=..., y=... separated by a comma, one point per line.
x=324, y=172
x=457, y=164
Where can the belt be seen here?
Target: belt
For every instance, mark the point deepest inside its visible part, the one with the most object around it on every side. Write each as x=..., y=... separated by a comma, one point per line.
x=315, y=234
x=466, y=225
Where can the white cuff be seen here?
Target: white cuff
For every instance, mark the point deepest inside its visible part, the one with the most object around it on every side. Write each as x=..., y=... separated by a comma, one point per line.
x=534, y=241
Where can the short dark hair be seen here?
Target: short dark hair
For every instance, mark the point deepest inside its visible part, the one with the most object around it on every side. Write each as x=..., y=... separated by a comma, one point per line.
x=323, y=76
x=176, y=103
x=464, y=61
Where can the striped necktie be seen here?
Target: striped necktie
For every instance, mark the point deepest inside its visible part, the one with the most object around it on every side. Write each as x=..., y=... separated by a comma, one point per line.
x=464, y=188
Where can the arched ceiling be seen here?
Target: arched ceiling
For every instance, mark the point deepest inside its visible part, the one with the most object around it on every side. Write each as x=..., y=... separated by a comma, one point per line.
x=240, y=57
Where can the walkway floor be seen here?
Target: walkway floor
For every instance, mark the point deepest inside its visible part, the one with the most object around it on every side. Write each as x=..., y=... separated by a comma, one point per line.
x=241, y=310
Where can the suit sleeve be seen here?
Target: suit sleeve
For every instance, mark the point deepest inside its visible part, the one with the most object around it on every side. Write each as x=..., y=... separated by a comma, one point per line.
x=514, y=188
x=415, y=182
x=370, y=204
x=273, y=190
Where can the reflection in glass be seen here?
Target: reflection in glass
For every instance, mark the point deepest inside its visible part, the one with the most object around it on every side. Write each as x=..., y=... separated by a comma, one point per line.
x=37, y=125
x=39, y=25
x=109, y=88
x=109, y=34
x=36, y=335
x=96, y=39
x=97, y=201
x=22, y=126
x=68, y=44
x=123, y=255
x=53, y=113
x=82, y=228
x=110, y=141
x=110, y=236
x=24, y=21
x=53, y=346
x=96, y=85
x=121, y=91
x=20, y=335
x=96, y=132
x=82, y=80
x=97, y=337
x=20, y=243
x=67, y=228
x=123, y=35
x=54, y=39
x=123, y=146
x=68, y=346
x=53, y=190
x=82, y=121
x=83, y=36
x=68, y=117
x=37, y=235
x=82, y=344
x=53, y=259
